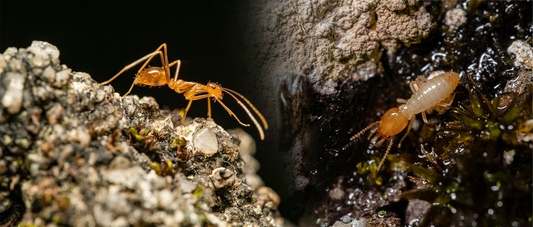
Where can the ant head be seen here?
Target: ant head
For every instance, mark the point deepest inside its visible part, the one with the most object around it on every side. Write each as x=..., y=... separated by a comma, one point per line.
x=392, y=123
x=214, y=89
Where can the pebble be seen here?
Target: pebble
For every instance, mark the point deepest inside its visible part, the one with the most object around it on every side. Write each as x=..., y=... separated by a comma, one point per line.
x=206, y=142
x=53, y=115
x=222, y=177
x=49, y=49
x=40, y=57
x=13, y=97
x=523, y=53
x=455, y=18
x=62, y=78
x=50, y=74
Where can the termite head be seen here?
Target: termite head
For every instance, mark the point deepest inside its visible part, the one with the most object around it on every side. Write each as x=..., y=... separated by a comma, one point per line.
x=214, y=89
x=392, y=123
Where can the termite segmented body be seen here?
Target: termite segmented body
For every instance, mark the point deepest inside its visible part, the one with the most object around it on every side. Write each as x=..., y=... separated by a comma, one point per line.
x=435, y=93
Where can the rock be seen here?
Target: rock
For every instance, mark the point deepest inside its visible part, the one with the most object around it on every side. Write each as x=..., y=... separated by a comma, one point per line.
x=12, y=98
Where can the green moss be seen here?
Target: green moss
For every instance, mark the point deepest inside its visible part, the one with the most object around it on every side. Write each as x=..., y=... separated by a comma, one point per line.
x=198, y=192
x=468, y=166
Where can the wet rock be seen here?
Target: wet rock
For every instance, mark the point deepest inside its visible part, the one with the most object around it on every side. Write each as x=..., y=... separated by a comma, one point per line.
x=523, y=53
x=415, y=210
x=455, y=18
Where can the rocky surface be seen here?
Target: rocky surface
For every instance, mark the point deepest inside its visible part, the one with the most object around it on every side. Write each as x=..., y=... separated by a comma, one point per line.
x=74, y=154
x=316, y=55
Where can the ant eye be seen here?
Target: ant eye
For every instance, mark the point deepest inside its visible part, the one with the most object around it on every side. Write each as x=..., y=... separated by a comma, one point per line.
x=213, y=86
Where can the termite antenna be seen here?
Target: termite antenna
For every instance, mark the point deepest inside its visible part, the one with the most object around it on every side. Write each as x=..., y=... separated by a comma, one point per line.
x=364, y=130
x=386, y=153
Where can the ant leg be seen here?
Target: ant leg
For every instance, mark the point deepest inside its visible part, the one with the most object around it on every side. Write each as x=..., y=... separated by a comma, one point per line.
x=424, y=117
x=208, y=107
x=149, y=57
x=186, y=110
x=408, y=130
x=364, y=130
x=129, y=67
x=386, y=153
x=178, y=62
x=133, y=84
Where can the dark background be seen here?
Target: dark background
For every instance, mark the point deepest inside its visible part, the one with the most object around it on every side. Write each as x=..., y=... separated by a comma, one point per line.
x=101, y=37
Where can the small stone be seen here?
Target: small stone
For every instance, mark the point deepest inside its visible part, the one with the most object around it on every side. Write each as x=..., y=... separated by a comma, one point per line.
x=3, y=64
x=53, y=115
x=83, y=136
x=7, y=140
x=509, y=156
x=40, y=57
x=100, y=95
x=120, y=221
x=455, y=18
x=523, y=53
x=50, y=74
x=206, y=142
x=24, y=143
x=346, y=219
x=186, y=185
x=165, y=198
x=266, y=194
x=62, y=78
x=222, y=177
x=336, y=193
x=50, y=49
x=120, y=162
x=13, y=97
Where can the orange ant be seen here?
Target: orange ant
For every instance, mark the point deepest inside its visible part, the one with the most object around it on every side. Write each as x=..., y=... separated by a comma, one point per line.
x=434, y=93
x=160, y=76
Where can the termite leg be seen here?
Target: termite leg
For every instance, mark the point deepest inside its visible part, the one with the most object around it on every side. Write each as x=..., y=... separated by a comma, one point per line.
x=448, y=101
x=424, y=117
x=386, y=153
x=401, y=101
x=417, y=83
x=444, y=105
x=364, y=130
x=421, y=80
x=407, y=133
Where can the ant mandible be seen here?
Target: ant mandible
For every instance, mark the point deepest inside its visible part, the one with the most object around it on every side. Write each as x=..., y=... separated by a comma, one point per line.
x=160, y=76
